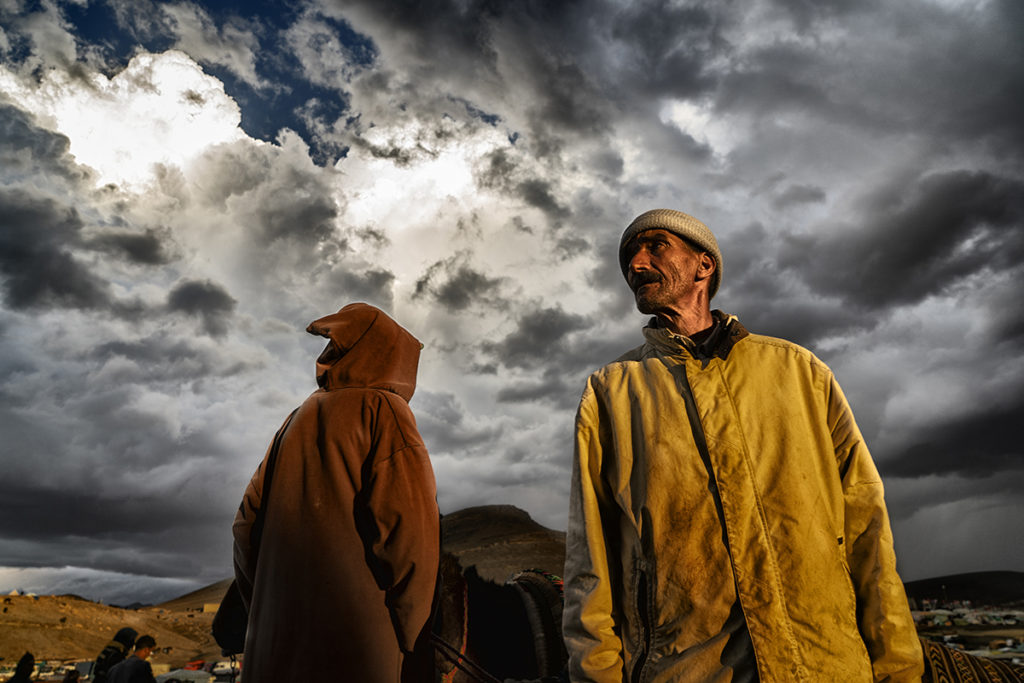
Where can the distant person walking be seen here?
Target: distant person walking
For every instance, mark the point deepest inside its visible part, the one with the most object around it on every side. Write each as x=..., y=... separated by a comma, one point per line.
x=135, y=669
x=113, y=654
x=25, y=668
x=339, y=579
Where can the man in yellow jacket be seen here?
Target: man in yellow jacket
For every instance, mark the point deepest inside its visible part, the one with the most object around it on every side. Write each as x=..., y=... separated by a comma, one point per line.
x=726, y=520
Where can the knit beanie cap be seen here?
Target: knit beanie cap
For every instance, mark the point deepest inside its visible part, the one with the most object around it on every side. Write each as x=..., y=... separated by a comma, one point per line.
x=683, y=225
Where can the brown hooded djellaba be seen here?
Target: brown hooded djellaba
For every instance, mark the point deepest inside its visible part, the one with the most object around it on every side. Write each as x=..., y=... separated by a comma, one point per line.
x=341, y=584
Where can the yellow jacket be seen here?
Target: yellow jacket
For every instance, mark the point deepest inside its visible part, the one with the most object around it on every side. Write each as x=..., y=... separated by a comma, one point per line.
x=724, y=477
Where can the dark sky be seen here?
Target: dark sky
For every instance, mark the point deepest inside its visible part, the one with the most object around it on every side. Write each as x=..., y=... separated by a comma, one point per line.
x=185, y=186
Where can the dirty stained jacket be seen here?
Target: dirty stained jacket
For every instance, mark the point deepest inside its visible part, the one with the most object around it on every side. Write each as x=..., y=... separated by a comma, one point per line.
x=341, y=583
x=723, y=501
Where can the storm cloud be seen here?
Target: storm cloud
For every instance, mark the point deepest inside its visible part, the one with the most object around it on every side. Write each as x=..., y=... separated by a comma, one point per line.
x=38, y=268
x=921, y=240
x=207, y=300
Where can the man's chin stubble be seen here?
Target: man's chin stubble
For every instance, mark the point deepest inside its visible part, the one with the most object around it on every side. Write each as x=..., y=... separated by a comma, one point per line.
x=644, y=305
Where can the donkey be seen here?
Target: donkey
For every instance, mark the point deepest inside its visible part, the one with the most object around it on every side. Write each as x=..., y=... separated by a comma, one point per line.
x=487, y=632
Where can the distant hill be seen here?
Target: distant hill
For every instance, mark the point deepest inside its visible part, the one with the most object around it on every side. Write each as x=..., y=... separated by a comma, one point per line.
x=195, y=600
x=996, y=589
x=68, y=627
x=501, y=540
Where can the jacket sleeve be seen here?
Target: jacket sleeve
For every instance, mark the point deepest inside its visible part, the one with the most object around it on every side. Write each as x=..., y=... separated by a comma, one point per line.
x=883, y=613
x=399, y=522
x=588, y=619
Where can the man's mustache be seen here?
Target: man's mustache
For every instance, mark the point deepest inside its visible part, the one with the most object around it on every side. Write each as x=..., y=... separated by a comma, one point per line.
x=643, y=277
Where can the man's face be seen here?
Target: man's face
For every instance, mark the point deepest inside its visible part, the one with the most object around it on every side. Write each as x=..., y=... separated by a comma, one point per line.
x=661, y=269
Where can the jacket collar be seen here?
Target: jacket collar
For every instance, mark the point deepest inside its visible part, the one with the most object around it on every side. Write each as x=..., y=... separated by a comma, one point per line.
x=726, y=330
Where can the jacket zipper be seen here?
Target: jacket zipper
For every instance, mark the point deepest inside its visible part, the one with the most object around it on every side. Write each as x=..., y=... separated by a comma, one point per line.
x=644, y=599
x=643, y=607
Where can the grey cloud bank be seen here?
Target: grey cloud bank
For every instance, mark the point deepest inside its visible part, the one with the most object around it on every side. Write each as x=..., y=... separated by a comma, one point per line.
x=182, y=193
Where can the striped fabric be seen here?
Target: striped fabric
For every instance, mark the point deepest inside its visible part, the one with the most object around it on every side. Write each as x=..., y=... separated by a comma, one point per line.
x=946, y=665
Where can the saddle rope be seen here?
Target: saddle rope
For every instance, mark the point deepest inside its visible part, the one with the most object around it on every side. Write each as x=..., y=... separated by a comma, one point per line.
x=462, y=662
x=458, y=656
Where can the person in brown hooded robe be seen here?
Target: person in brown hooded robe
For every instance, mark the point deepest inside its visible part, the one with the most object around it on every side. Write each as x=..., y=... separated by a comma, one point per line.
x=341, y=583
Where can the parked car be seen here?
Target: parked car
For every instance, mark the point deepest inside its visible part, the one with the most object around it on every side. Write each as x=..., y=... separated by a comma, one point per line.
x=225, y=668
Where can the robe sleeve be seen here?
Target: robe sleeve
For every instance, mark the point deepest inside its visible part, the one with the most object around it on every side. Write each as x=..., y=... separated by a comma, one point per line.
x=243, y=552
x=588, y=622
x=883, y=613
x=399, y=521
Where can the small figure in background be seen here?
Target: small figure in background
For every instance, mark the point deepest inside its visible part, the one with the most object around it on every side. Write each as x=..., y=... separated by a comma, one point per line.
x=24, y=670
x=113, y=654
x=135, y=669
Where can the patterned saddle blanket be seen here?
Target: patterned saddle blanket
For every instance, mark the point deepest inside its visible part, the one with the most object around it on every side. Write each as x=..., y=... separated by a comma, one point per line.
x=946, y=665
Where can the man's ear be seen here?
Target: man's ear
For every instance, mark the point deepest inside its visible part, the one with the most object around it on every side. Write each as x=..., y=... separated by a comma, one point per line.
x=706, y=266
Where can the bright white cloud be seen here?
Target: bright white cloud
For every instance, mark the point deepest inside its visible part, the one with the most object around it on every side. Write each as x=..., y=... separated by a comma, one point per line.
x=161, y=109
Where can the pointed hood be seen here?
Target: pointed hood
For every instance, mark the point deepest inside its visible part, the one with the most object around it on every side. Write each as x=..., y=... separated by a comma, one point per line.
x=366, y=349
x=126, y=636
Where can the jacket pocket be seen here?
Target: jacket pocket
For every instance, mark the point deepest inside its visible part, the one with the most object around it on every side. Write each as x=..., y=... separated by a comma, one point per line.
x=844, y=565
